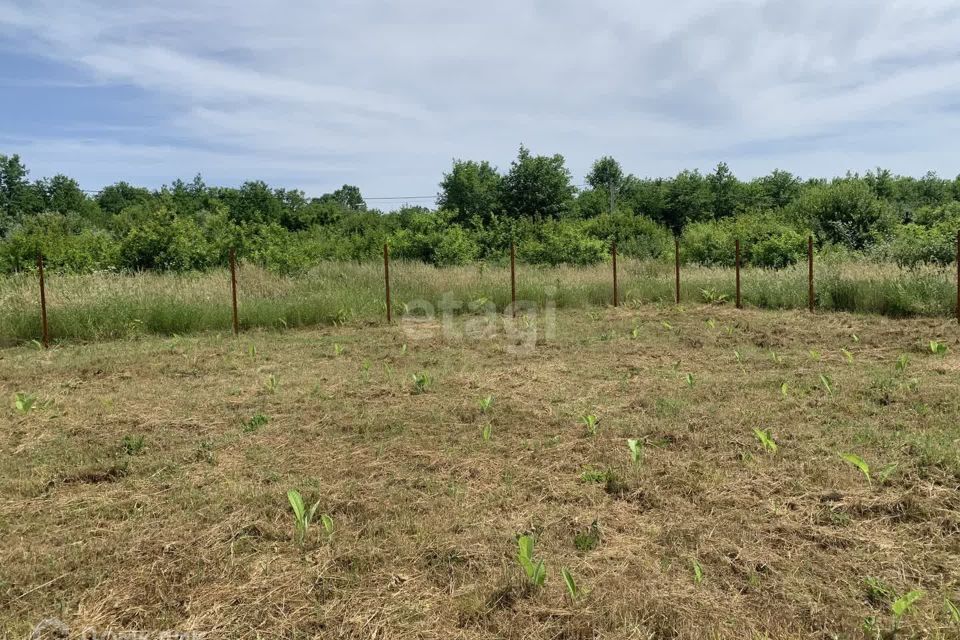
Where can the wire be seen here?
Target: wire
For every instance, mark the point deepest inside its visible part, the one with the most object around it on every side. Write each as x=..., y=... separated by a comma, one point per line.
x=97, y=192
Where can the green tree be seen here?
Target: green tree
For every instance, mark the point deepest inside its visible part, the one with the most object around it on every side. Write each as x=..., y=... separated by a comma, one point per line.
x=606, y=175
x=780, y=188
x=18, y=198
x=471, y=189
x=253, y=203
x=845, y=212
x=645, y=196
x=64, y=195
x=347, y=196
x=687, y=200
x=537, y=186
x=188, y=198
x=933, y=191
x=115, y=198
x=605, y=172
x=880, y=182
x=724, y=188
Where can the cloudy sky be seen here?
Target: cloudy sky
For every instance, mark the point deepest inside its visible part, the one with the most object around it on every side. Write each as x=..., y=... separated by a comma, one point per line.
x=314, y=94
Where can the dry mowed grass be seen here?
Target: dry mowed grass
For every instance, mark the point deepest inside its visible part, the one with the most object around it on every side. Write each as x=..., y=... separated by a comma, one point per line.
x=192, y=530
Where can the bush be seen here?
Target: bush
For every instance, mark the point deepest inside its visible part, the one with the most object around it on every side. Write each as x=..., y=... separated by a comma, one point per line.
x=564, y=242
x=913, y=244
x=779, y=249
x=454, y=246
x=845, y=212
x=165, y=242
x=82, y=252
x=430, y=237
x=67, y=242
x=710, y=243
x=766, y=240
x=278, y=250
x=636, y=236
x=947, y=215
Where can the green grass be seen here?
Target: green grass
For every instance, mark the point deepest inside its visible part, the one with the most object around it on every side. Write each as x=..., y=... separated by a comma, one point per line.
x=107, y=305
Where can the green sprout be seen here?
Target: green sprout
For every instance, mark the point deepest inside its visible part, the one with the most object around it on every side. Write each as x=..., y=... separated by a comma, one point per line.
x=591, y=422
x=636, y=450
x=535, y=570
x=302, y=517
x=902, y=605
x=421, y=382
x=24, y=402
x=766, y=440
x=856, y=461
x=938, y=348
x=485, y=404
x=827, y=383
x=572, y=589
x=487, y=432
x=697, y=571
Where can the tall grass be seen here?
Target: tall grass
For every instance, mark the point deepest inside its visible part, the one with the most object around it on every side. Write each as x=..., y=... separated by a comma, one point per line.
x=108, y=305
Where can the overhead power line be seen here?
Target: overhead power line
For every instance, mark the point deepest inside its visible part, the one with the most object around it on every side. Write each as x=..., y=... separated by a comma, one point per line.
x=96, y=192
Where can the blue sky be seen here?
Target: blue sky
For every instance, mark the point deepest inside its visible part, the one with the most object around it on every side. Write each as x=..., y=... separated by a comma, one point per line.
x=313, y=95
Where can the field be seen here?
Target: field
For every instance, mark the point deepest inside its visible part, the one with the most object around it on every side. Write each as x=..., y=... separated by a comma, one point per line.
x=143, y=482
x=104, y=306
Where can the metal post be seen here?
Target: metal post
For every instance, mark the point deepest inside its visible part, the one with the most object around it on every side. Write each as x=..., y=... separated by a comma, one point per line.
x=810, y=272
x=513, y=278
x=386, y=278
x=739, y=301
x=233, y=286
x=676, y=254
x=43, y=303
x=613, y=251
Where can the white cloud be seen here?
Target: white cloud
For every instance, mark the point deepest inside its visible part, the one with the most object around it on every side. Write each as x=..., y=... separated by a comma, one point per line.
x=385, y=94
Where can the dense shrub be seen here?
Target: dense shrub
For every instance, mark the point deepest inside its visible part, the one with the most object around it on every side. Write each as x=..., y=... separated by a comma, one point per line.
x=777, y=250
x=929, y=239
x=166, y=242
x=84, y=251
x=455, y=246
x=845, y=212
x=636, y=236
x=709, y=243
x=431, y=237
x=911, y=245
x=766, y=240
x=562, y=243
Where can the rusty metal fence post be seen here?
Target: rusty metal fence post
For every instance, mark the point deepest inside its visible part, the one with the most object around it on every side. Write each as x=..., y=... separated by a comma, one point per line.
x=386, y=279
x=737, y=262
x=43, y=303
x=810, y=272
x=676, y=260
x=613, y=251
x=513, y=278
x=233, y=288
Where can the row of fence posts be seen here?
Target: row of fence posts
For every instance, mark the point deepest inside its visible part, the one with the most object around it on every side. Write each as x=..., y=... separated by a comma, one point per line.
x=513, y=282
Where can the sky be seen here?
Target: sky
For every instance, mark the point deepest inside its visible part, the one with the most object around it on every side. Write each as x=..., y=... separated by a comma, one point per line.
x=384, y=95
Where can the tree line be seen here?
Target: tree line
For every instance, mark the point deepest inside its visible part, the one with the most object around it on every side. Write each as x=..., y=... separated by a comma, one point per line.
x=480, y=210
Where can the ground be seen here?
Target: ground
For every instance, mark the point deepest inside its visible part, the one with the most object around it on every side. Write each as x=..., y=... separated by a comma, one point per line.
x=146, y=488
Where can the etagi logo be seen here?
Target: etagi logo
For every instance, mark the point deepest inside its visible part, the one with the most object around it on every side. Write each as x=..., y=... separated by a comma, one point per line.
x=520, y=326
x=53, y=629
